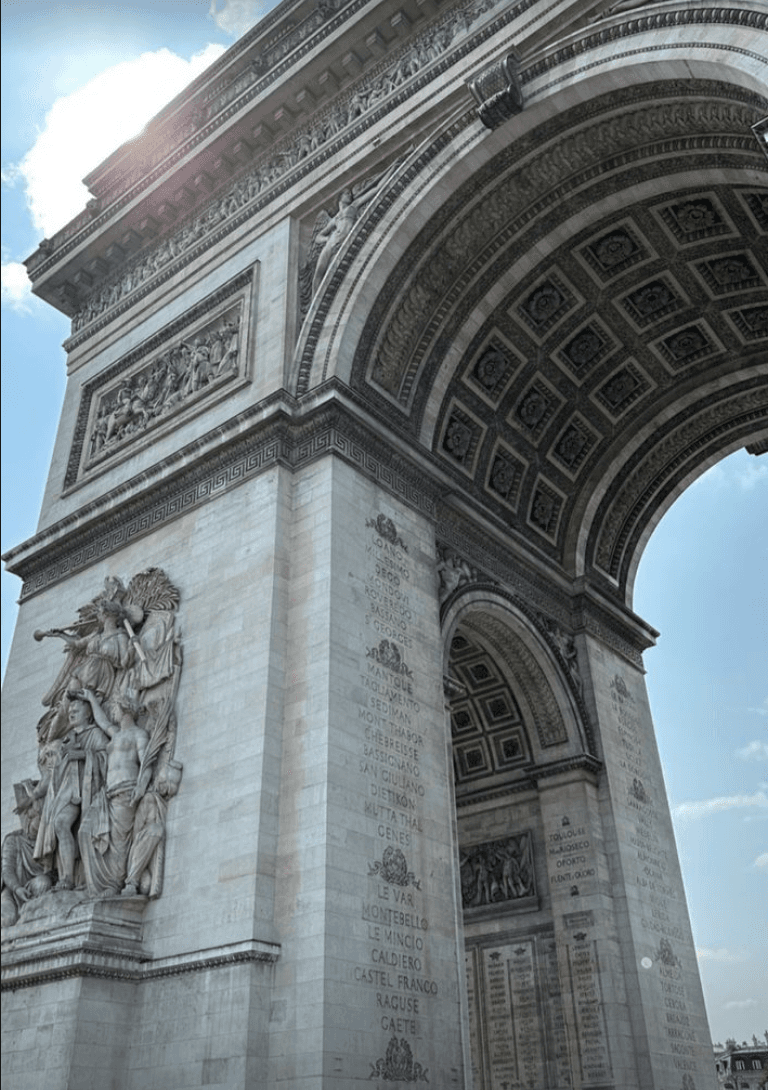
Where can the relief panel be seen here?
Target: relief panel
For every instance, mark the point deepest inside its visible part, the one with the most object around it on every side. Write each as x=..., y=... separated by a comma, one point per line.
x=181, y=371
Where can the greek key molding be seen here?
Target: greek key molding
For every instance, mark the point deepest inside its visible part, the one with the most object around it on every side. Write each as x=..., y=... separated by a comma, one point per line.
x=96, y=531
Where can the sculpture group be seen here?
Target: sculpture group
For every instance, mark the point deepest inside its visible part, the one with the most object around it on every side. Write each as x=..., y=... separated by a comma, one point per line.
x=169, y=382
x=94, y=822
x=499, y=870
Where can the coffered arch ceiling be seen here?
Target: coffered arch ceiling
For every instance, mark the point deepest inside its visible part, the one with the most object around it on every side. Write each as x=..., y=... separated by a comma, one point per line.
x=582, y=327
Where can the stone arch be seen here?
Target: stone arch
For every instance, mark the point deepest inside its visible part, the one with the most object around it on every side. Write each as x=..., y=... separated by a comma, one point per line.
x=658, y=48
x=477, y=226
x=486, y=631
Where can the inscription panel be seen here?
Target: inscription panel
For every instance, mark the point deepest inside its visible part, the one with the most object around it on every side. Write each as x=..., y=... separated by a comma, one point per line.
x=517, y=1028
x=591, y=1035
x=401, y=956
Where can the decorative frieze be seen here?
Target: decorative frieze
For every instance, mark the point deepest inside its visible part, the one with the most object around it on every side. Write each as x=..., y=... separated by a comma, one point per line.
x=373, y=96
x=181, y=370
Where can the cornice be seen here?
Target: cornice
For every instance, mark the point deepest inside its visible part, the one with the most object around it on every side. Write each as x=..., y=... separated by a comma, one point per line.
x=161, y=133
x=27, y=968
x=583, y=763
x=279, y=431
x=287, y=160
x=444, y=52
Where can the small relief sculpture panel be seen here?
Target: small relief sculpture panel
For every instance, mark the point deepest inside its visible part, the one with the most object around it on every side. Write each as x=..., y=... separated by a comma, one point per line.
x=386, y=529
x=398, y=1064
x=453, y=571
x=566, y=647
x=183, y=369
x=190, y=369
x=393, y=868
x=332, y=229
x=497, y=872
x=388, y=654
x=93, y=825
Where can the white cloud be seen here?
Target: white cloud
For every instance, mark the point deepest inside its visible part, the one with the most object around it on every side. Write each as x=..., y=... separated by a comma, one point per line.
x=739, y=1004
x=760, y=711
x=762, y=861
x=691, y=811
x=751, y=473
x=10, y=174
x=237, y=16
x=746, y=473
x=83, y=128
x=754, y=751
x=16, y=288
x=703, y=953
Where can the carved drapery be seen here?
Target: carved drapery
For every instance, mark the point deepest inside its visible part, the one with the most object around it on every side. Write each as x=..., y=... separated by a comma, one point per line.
x=93, y=824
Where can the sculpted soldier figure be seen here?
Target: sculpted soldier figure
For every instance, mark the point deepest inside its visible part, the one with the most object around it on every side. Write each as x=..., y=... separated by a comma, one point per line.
x=94, y=823
x=73, y=771
x=22, y=876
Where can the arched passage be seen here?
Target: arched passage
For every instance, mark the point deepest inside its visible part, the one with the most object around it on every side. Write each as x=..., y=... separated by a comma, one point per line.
x=568, y=314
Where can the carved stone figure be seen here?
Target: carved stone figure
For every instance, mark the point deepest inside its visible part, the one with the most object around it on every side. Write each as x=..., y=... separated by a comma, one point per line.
x=453, y=571
x=73, y=772
x=107, y=824
x=567, y=647
x=500, y=870
x=331, y=231
x=23, y=877
x=95, y=820
x=147, y=854
x=178, y=374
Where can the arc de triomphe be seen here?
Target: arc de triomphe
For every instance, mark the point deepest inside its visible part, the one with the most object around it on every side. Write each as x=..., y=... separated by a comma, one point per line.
x=393, y=337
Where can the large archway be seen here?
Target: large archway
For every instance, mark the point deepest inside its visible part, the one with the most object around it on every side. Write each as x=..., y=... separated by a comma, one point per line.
x=394, y=394
x=568, y=314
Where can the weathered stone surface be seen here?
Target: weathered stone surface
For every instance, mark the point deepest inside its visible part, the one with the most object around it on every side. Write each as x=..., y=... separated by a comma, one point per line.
x=393, y=388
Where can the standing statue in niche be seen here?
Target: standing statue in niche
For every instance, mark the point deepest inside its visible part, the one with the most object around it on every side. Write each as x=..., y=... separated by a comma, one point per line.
x=93, y=824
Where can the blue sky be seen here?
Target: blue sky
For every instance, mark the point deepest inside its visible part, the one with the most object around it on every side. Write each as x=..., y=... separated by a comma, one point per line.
x=68, y=72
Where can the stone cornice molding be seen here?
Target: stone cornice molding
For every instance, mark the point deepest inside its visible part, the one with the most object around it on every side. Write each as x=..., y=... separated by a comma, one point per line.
x=584, y=763
x=444, y=42
x=617, y=27
x=28, y=968
x=280, y=431
x=284, y=431
x=289, y=159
